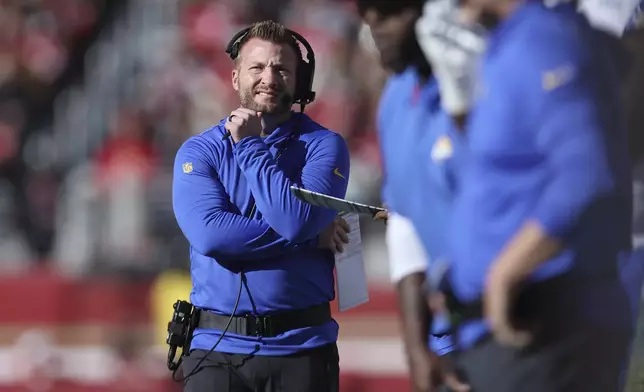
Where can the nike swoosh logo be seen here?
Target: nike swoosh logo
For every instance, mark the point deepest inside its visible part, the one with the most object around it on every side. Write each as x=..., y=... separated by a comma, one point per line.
x=336, y=171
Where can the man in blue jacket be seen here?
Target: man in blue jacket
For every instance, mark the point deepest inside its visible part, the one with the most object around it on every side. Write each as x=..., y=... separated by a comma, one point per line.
x=419, y=147
x=544, y=208
x=261, y=260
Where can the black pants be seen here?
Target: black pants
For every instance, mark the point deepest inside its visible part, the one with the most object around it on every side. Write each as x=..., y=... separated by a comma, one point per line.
x=315, y=370
x=579, y=361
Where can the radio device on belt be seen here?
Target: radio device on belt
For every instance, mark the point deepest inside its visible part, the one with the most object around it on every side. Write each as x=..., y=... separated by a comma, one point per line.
x=180, y=329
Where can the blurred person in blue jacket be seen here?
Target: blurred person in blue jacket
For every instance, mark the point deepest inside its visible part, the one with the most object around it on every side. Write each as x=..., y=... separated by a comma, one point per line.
x=543, y=213
x=420, y=147
x=261, y=260
x=625, y=19
x=633, y=96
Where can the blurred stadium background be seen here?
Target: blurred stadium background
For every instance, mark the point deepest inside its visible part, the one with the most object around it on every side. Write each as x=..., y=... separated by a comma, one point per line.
x=95, y=98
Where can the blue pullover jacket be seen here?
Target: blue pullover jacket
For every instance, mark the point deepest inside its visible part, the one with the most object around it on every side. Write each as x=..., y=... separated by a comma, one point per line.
x=215, y=188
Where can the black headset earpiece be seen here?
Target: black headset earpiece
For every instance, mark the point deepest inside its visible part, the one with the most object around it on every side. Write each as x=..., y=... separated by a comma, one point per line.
x=306, y=72
x=233, y=46
x=304, y=93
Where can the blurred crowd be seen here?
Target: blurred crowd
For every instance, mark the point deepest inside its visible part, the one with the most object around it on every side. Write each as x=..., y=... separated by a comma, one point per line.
x=41, y=46
x=93, y=195
x=109, y=210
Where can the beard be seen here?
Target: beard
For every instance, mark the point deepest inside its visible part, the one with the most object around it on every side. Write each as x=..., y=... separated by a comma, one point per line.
x=277, y=104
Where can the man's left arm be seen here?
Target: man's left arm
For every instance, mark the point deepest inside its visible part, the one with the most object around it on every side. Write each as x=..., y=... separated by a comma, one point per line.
x=326, y=170
x=572, y=138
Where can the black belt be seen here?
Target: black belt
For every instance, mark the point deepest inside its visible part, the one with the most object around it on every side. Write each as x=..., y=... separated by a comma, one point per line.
x=535, y=298
x=267, y=325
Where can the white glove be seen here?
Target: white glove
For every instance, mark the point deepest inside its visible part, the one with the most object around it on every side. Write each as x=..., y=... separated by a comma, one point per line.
x=453, y=49
x=613, y=17
x=404, y=249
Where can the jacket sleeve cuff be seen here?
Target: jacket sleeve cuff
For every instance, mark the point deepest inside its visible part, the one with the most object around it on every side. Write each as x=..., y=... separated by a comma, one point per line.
x=248, y=144
x=555, y=225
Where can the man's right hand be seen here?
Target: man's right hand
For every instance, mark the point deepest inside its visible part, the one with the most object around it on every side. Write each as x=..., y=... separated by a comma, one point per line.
x=382, y=215
x=335, y=236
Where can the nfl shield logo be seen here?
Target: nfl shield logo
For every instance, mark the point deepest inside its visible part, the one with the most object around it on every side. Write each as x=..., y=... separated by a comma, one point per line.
x=442, y=149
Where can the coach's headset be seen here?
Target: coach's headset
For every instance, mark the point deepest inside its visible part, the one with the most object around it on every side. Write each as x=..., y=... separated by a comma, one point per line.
x=304, y=73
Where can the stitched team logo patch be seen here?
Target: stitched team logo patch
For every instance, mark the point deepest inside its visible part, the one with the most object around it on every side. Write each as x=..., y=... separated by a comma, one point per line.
x=187, y=167
x=557, y=77
x=442, y=149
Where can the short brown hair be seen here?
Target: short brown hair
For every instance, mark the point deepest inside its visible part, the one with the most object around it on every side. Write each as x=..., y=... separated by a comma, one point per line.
x=270, y=31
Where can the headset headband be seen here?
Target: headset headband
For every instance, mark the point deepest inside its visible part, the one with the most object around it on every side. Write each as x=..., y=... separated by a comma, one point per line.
x=304, y=93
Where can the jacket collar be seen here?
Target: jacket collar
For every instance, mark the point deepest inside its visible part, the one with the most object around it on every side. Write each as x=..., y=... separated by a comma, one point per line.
x=287, y=128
